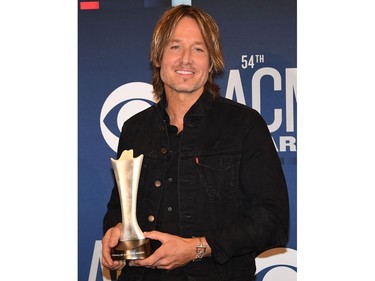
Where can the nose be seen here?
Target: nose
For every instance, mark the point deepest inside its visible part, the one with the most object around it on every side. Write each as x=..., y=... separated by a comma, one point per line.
x=186, y=57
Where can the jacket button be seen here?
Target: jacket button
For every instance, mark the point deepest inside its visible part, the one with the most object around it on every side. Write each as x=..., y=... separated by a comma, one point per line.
x=151, y=218
x=157, y=183
x=163, y=150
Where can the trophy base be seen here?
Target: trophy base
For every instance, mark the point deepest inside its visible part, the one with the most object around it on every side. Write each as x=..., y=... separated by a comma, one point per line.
x=132, y=250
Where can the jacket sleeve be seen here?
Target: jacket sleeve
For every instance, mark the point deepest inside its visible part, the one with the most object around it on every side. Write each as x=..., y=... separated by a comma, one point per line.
x=265, y=220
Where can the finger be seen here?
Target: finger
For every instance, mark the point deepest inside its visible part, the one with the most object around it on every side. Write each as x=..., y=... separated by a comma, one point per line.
x=108, y=263
x=106, y=253
x=109, y=241
x=114, y=237
x=146, y=263
x=137, y=264
x=157, y=235
x=119, y=264
x=151, y=261
x=150, y=234
x=132, y=263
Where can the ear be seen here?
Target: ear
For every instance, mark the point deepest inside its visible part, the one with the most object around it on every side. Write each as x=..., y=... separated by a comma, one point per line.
x=157, y=63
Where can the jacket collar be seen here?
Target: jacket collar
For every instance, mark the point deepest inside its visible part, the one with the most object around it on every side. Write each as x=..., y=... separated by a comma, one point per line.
x=197, y=109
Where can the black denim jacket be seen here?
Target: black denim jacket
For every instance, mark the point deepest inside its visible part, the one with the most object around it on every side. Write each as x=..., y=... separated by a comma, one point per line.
x=231, y=184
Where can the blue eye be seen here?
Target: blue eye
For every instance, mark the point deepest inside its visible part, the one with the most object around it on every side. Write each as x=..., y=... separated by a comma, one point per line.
x=120, y=105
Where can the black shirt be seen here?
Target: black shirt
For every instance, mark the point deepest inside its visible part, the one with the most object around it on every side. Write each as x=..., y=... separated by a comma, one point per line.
x=168, y=215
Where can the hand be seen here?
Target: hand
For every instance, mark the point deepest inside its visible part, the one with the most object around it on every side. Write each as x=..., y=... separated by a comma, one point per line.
x=174, y=252
x=109, y=241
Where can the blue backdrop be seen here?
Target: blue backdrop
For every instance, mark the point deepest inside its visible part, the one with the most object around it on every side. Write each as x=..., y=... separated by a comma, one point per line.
x=114, y=77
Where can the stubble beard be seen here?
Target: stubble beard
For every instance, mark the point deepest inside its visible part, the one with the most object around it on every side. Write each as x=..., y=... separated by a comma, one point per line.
x=180, y=89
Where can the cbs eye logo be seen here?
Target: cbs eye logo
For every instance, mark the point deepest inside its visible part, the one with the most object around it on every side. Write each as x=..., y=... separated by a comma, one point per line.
x=120, y=105
x=277, y=264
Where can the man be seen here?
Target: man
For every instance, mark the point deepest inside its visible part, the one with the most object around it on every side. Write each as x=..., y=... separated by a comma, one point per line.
x=212, y=193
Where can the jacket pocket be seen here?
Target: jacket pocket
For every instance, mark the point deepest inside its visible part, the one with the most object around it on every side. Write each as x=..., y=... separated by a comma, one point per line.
x=218, y=178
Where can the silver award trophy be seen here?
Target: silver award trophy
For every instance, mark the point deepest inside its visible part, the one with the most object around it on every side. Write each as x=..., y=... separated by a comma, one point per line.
x=132, y=243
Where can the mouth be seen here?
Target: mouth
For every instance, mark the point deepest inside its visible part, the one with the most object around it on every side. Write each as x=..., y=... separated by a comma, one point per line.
x=185, y=72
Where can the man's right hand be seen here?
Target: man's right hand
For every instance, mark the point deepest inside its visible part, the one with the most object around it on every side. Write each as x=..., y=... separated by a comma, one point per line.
x=109, y=241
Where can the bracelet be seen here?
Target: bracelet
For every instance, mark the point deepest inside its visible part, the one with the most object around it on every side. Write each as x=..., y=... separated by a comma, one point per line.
x=200, y=249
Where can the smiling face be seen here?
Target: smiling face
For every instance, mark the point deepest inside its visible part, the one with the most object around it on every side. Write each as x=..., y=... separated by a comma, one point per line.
x=184, y=67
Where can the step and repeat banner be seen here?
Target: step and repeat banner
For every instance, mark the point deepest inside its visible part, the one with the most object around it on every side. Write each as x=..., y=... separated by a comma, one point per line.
x=114, y=82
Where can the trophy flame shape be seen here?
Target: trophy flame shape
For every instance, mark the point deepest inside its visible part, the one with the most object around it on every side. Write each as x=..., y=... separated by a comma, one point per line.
x=132, y=243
